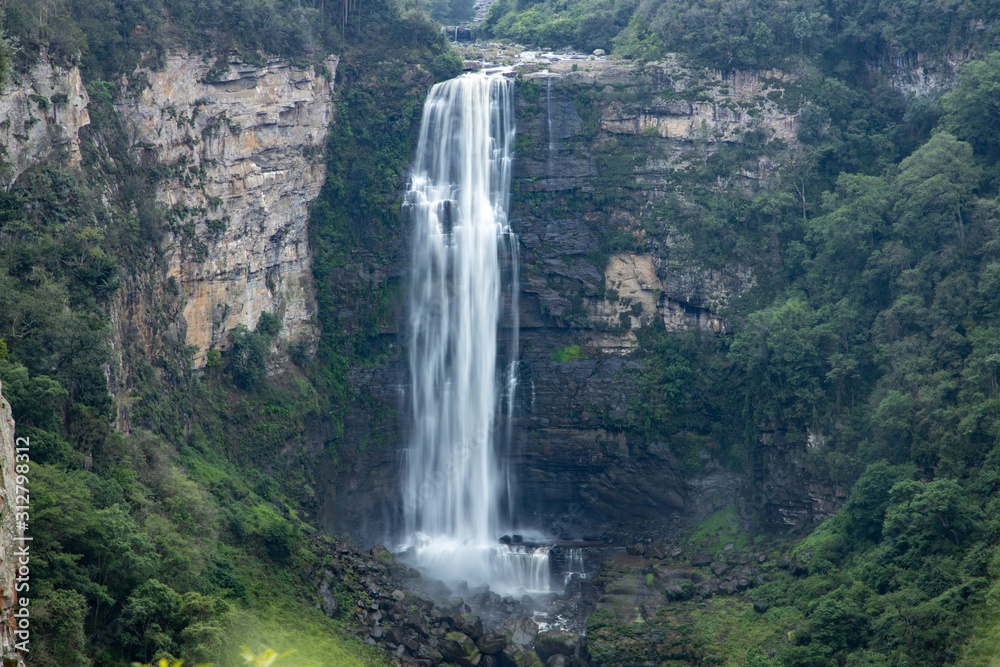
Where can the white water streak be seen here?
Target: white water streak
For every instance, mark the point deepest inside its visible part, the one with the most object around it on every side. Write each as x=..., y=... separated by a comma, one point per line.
x=457, y=481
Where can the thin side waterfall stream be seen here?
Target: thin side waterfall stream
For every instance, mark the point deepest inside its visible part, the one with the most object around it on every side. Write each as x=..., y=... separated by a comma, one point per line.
x=457, y=486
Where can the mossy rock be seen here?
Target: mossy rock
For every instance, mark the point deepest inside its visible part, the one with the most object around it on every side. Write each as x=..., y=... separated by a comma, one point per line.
x=460, y=649
x=521, y=656
x=553, y=642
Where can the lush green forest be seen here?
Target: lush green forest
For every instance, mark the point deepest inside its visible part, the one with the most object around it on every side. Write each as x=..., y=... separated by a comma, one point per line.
x=166, y=541
x=748, y=33
x=876, y=325
x=875, y=321
x=878, y=338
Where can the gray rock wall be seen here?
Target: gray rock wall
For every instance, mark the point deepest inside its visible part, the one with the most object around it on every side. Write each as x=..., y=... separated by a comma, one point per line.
x=580, y=463
x=242, y=148
x=41, y=114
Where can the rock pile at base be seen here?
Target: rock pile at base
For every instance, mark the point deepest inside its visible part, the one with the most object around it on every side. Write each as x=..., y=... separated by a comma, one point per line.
x=420, y=623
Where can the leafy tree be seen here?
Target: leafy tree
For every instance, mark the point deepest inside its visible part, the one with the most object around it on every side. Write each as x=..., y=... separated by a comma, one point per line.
x=924, y=518
x=972, y=110
x=870, y=497
x=446, y=65
x=151, y=619
x=247, y=354
x=839, y=623
x=935, y=187
x=59, y=616
x=35, y=401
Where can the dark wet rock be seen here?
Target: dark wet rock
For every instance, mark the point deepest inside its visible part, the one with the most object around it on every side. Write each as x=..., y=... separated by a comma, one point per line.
x=520, y=631
x=492, y=641
x=680, y=589
x=489, y=661
x=558, y=660
x=517, y=655
x=473, y=627
x=453, y=621
x=728, y=586
x=418, y=622
x=427, y=653
x=459, y=648
x=701, y=560
x=552, y=642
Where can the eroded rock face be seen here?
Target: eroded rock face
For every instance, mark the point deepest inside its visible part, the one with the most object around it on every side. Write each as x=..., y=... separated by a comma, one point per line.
x=242, y=148
x=582, y=464
x=737, y=103
x=9, y=532
x=41, y=114
x=917, y=74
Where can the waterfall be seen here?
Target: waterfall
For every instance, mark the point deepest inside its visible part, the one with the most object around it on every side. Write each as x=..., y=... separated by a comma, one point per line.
x=457, y=484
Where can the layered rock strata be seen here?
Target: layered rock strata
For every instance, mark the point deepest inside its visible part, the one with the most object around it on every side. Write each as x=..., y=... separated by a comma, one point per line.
x=240, y=148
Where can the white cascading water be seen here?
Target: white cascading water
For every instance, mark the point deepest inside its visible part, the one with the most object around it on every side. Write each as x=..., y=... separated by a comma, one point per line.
x=464, y=257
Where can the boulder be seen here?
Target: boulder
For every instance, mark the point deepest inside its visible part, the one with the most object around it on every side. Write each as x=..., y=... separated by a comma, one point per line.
x=520, y=631
x=426, y=652
x=492, y=641
x=417, y=621
x=381, y=553
x=473, y=627
x=517, y=655
x=327, y=602
x=558, y=660
x=552, y=642
x=460, y=649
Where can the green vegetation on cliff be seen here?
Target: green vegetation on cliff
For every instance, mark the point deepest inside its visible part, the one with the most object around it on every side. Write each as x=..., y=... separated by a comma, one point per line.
x=749, y=33
x=167, y=522
x=170, y=519
x=867, y=344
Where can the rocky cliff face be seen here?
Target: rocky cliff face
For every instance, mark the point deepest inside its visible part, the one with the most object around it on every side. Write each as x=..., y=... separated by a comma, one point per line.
x=8, y=534
x=591, y=276
x=41, y=114
x=585, y=469
x=240, y=146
